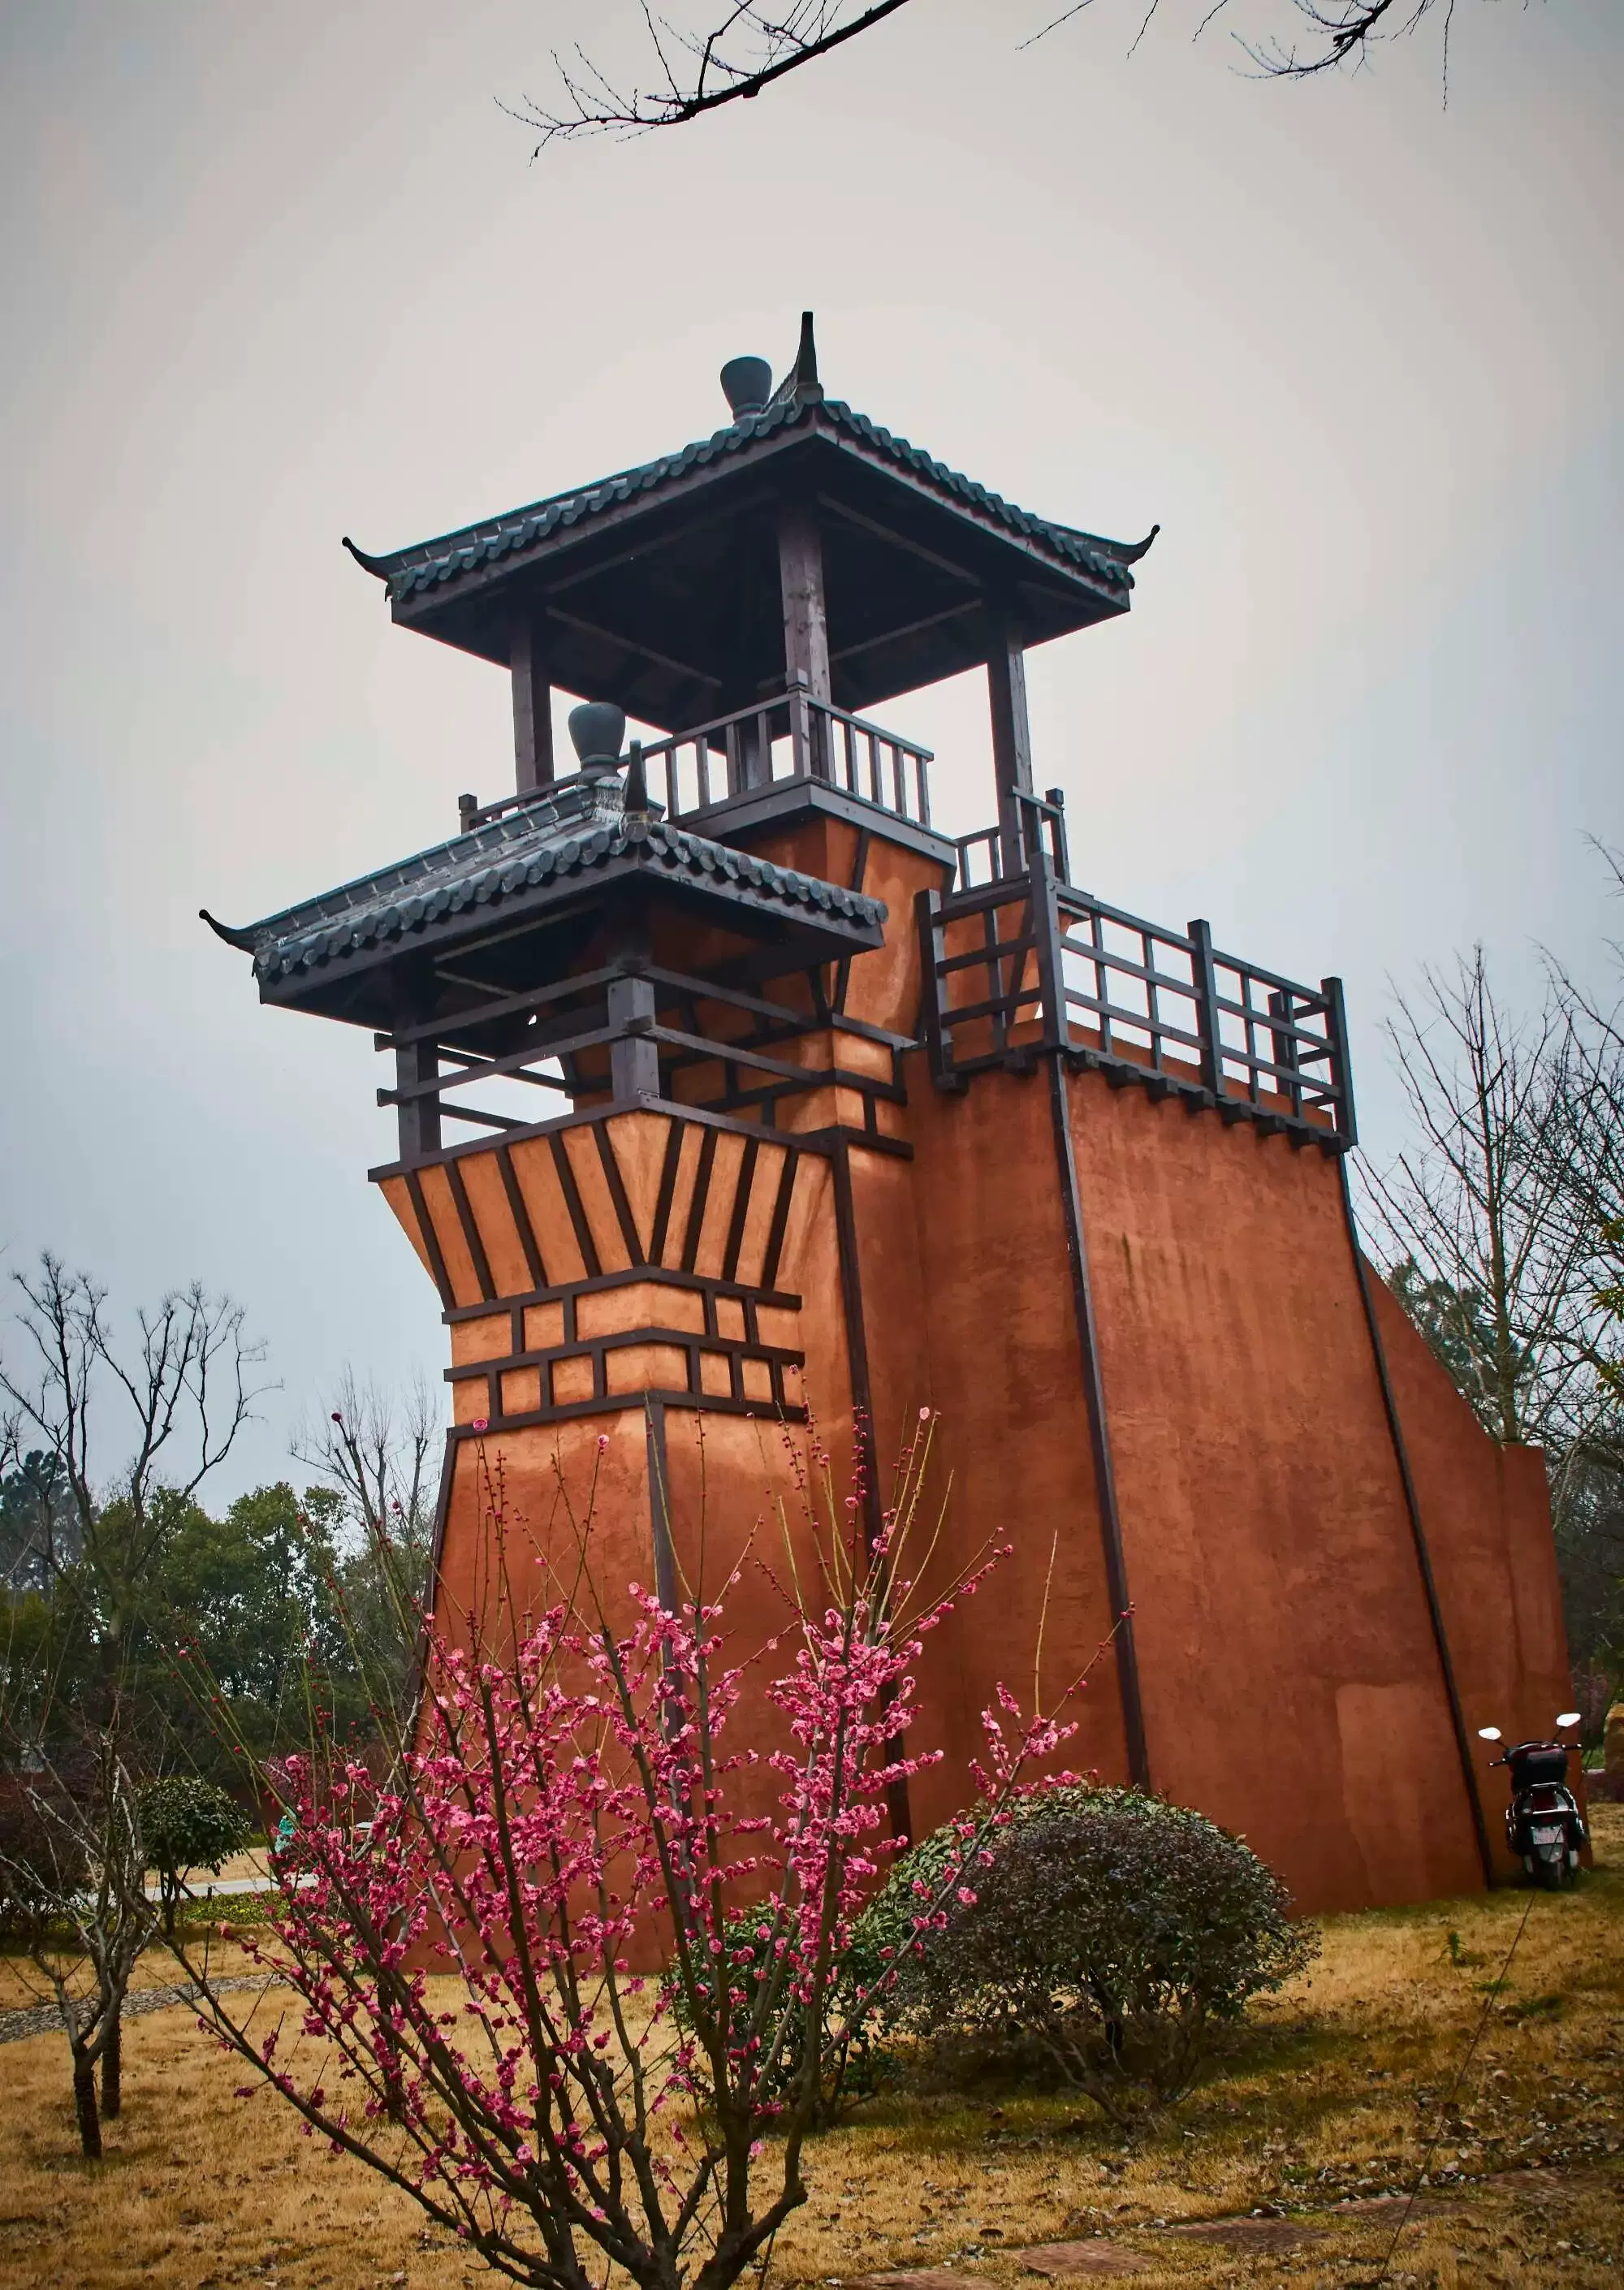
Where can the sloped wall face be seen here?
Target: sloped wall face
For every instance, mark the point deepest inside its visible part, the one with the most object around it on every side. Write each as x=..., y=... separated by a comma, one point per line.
x=994, y=1347
x=1487, y=1515
x=1292, y=1684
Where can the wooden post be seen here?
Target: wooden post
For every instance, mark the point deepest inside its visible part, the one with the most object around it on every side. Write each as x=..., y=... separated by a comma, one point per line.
x=532, y=704
x=1012, y=734
x=634, y=1060
x=1204, y=979
x=806, y=635
x=1341, y=1076
x=417, y=1118
x=933, y=951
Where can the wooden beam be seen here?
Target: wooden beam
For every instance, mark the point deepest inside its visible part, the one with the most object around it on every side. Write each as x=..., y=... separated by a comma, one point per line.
x=800, y=564
x=905, y=628
x=806, y=634
x=533, y=703
x=638, y=651
x=1011, y=733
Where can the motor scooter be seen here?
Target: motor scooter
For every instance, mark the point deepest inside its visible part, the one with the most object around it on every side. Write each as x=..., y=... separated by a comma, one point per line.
x=1544, y=1826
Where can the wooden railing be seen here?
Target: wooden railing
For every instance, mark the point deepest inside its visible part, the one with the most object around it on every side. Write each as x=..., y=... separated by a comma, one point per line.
x=790, y=736
x=1045, y=967
x=985, y=856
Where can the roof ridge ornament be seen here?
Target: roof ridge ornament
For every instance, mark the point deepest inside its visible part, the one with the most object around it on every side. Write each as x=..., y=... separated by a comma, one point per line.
x=636, y=804
x=242, y=939
x=380, y=567
x=747, y=384
x=596, y=728
x=801, y=383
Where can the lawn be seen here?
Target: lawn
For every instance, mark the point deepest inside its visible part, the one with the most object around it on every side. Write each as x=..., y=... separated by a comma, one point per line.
x=1328, y=2104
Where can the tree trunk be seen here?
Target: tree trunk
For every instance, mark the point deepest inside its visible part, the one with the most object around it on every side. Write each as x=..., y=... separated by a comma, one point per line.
x=85, y=2108
x=112, y=2071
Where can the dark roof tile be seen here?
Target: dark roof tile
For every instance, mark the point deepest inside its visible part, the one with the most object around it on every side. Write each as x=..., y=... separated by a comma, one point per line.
x=430, y=564
x=521, y=848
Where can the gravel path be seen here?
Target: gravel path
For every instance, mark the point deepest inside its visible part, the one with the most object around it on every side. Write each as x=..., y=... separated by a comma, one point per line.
x=43, y=2019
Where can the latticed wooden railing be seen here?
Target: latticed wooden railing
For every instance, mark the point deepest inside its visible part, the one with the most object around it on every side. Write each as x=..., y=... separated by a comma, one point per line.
x=1025, y=963
x=789, y=736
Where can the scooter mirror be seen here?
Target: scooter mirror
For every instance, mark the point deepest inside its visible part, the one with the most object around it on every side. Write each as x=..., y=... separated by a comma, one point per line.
x=1488, y=1732
x=1568, y=1718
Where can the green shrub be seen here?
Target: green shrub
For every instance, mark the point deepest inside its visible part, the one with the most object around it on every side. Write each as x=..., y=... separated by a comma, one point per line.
x=186, y=1823
x=1113, y=1931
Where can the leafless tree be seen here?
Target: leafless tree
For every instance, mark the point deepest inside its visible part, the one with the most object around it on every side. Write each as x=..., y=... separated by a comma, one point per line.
x=188, y=1382
x=72, y=1867
x=1473, y=1218
x=378, y=1449
x=756, y=43
x=1587, y=1163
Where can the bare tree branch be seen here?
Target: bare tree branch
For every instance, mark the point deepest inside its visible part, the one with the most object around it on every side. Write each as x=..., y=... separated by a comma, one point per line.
x=1342, y=32
x=755, y=44
x=778, y=44
x=1054, y=24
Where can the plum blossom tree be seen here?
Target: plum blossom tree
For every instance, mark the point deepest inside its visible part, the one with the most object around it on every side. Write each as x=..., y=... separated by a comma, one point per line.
x=476, y=2011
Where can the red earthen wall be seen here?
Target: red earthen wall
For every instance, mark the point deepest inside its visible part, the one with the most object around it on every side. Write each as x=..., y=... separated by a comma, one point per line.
x=1292, y=1686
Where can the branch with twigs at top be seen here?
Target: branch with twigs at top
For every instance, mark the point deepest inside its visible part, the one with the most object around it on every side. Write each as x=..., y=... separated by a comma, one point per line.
x=1343, y=32
x=755, y=45
x=716, y=72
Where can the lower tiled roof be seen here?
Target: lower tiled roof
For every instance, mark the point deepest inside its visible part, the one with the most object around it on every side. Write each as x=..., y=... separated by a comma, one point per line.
x=580, y=827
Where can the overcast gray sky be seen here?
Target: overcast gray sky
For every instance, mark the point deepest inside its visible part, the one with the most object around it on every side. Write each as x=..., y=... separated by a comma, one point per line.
x=274, y=273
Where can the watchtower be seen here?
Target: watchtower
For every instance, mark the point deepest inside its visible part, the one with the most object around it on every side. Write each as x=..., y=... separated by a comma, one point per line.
x=835, y=1104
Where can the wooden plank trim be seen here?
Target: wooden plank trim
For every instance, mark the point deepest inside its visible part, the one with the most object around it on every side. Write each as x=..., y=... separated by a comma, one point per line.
x=667, y=1192
x=521, y=1216
x=470, y=1232
x=780, y=1219
x=572, y=1202
x=617, y=1192
x=696, y=1206
x=431, y=1240
x=741, y=1209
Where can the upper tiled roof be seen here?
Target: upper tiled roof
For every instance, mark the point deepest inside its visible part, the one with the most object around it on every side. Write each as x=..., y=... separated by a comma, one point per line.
x=432, y=563
x=580, y=826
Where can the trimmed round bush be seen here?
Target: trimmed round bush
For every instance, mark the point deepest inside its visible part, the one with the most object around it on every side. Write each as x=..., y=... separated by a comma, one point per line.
x=187, y=1823
x=1114, y=1932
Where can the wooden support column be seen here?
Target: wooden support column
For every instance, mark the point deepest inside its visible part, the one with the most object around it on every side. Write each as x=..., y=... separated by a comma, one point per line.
x=634, y=1060
x=417, y=1118
x=1012, y=734
x=416, y=1061
x=532, y=704
x=806, y=635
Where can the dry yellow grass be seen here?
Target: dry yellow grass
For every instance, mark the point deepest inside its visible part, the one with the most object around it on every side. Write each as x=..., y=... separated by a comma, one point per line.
x=1336, y=2091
